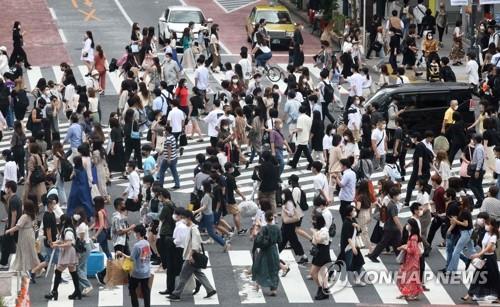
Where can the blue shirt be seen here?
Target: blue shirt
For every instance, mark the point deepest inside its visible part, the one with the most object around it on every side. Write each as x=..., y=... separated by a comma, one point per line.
x=74, y=135
x=348, y=185
x=292, y=109
x=141, y=255
x=148, y=165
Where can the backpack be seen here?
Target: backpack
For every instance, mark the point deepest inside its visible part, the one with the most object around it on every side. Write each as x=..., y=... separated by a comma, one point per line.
x=150, y=114
x=360, y=173
x=328, y=92
x=113, y=65
x=66, y=170
x=303, y=200
x=22, y=100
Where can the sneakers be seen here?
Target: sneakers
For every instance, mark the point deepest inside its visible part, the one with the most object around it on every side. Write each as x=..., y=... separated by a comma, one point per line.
x=210, y=294
x=373, y=258
x=227, y=247
x=242, y=232
x=303, y=260
x=87, y=290
x=100, y=279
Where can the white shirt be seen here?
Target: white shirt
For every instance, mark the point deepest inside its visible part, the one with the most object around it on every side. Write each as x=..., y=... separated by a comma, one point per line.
x=419, y=13
x=93, y=104
x=181, y=231
x=356, y=82
x=246, y=67
x=320, y=183
x=379, y=137
x=212, y=119
x=472, y=73
x=327, y=142
x=83, y=228
x=304, y=123
x=134, y=185
x=354, y=119
x=327, y=215
x=201, y=77
x=402, y=80
x=176, y=119
x=264, y=48
x=9, y=173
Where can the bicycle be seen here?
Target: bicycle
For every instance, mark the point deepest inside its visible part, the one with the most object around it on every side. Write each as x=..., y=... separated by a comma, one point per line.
x=273, y=73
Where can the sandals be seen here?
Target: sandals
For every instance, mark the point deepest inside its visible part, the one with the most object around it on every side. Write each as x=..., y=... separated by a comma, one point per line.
x=465, y=299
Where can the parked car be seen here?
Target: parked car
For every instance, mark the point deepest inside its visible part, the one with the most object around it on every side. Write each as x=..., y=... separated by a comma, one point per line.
x=279, y=24
x=426, y=103
x=177, y=18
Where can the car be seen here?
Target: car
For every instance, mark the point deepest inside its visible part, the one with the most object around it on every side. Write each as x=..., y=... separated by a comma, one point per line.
x=279, y=24
x=426, y=103
x=177, y=18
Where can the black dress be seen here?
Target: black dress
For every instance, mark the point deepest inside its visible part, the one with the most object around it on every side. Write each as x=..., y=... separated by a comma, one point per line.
x=318, y=132
x=116, y=162
x=409, y=57
x=323, y=255
x=486, y=280
x=346, y=234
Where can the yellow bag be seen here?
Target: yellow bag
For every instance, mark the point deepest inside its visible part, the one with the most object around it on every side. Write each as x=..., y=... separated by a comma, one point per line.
x=128, y=265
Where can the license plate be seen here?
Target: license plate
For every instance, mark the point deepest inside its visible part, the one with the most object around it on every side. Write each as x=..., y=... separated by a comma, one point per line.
x=276, y=41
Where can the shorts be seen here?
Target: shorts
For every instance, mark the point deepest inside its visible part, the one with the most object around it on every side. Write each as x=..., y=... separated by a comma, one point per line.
x=232, y=209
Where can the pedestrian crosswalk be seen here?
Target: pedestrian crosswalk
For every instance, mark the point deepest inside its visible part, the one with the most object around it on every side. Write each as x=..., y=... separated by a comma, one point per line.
x=229, y=6
x=230, y=274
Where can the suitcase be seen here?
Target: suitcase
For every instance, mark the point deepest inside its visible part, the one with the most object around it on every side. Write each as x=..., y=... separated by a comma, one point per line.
x=95, y=263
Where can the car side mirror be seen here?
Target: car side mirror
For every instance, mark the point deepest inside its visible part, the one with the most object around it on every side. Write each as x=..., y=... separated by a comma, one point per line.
x=210, y=20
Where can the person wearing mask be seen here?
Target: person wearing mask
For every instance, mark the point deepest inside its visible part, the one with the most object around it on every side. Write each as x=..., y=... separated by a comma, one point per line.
x=477, y=164
x=354, y=119
x=379, y=143
x=165, y=243
x=278, y=144
x=133, y=190
x=392, y=227
x=421, y=162
x=321, y=254
x=409, y=286
x=347, y=185
x=18, y=54
x=82, y=231
x=212, y=119
x=491, y=204
x=419, y=14
x=267, y=174
x=448, y=115
x=439, y=214
x=169, y=159
x=303, y=131
x=201, y=76
x=171, y=72
x=356, y=81
x=463, y=224
x=141, y=272
x=193, y=244
x=291, y=216
x=120, y=227
x=471, y=70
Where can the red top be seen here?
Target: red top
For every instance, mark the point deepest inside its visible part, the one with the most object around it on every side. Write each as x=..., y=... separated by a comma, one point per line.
x=100, y=64
x=182, y=93
x=438, y=200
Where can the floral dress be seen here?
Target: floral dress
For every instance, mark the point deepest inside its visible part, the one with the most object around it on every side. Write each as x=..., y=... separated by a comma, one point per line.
x=457, y=50
x=408, y=281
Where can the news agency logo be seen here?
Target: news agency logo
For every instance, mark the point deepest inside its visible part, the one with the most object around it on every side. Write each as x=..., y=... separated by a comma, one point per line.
x=334, y=277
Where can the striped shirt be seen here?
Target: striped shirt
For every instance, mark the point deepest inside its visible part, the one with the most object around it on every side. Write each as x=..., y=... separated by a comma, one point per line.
x=170, y=145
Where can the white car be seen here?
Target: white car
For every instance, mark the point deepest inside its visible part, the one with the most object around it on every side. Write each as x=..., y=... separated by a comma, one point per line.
x=177, y=18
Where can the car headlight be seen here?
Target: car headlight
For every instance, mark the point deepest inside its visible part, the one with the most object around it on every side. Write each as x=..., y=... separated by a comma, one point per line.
x=289, y=34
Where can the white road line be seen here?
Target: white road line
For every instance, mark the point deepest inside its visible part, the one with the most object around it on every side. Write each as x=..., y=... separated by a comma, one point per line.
x=293, y=284
x=124, y=13
x=437, y=294
x=116, y=80
x=111, y=296
x=343, y=295
x=247, y=293
x=64, y=290
x=63, y=37
x=58, y=73
x=159, y=284
x=52, y=13
x=387, y=291
x=34, y=74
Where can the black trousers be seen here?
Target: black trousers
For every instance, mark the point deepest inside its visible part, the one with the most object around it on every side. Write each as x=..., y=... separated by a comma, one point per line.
x=135, y=146
x=298, y=153
x=476, y=186
x=389, y=238
x=344, y=204
x=440, y=32
x=401, y=159
x=326, y=113
x=289, y=235
x=454, y=148
x=47, y=132
x=436, y=223
x=18, y=52
x=19, y=154
x=133, y=283
x=8, y=247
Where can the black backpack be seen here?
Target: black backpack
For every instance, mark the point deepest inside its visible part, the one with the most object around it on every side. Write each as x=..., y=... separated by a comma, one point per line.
x=150, y=114
x=328, y=92
x=66, y=170
x=303, y=200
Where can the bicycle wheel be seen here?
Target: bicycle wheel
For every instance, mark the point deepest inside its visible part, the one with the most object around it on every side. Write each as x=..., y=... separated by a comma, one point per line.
x=274, y=74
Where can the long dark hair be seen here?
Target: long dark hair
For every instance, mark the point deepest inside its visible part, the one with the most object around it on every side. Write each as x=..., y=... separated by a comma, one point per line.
x=89, y=35
x=30, y=209
x=99, y=50
x=16, y=25
x=66, y=222
x=213, y=30
x=156, y=62
x=288, y=196
x=415, y=230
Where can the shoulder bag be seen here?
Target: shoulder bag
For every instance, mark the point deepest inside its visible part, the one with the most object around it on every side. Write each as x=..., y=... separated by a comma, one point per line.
x=38, y=174
x=200, y=260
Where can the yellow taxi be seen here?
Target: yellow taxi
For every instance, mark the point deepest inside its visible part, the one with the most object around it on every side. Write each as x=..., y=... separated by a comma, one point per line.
x=279, y=25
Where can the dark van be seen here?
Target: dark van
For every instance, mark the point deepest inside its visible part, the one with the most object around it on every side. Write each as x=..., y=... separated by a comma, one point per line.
x=426, y=103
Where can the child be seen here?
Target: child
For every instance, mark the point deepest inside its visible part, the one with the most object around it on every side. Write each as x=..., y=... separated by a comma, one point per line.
x=149, y=162
x=391, y=169
x=434, y=75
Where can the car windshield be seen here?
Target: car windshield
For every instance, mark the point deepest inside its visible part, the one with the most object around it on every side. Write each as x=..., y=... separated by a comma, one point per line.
x=185, y=17
x=274, y=17
x=380, y=95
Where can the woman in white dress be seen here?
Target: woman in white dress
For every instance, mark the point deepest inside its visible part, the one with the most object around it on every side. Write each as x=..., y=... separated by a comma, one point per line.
x=188, y=61
x=88, y=52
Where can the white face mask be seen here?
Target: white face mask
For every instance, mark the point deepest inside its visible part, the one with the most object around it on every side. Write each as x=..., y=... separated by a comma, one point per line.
x=346, y=139
x=408, y=228
x=354, y=214
x=168, y=60
x=455, y=108
x=235, y=80
x=356, y=102
x=383, y=126
x=257, y=80
x=175, y=217
x=153, y=195
x=480, y=222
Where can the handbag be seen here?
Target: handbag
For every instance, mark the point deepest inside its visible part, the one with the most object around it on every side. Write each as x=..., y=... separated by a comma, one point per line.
x=200, y=260
x=183, y=140
x=160, y=144
x=314, y=251
x=127, y=265
x=290, y=219
x=401, y=257
x=377, y=46
x=135, y=135
x=463, y=169
x=478, y=263
x=471, y=169
x=94, y=191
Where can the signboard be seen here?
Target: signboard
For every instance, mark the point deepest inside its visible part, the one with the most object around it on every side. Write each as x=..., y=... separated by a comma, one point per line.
x=483, y=2
x=461, y=2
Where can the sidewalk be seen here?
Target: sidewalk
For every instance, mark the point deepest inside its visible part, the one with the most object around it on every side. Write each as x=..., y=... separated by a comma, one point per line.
x=42, y=42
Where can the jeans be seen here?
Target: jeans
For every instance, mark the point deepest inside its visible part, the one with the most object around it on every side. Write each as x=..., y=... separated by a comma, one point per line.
x=262, y=59
x=172, y=165
x=381, y=55
x=498, y=186
x=63, y=200
x=464, y=243
x=281, y=160
x=186, y=272
x=451, y=241
x=82, y=267
x=207, y=221
x=476, y=186
x=253, y=152
x=102, y=239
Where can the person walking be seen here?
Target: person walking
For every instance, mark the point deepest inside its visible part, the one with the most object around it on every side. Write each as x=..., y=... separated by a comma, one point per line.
x=320, y=252
x=100, y=66
x=477, y=164
x=441, y=22
x=79, y=195
x=408, y=281
x=421, y=165
x=303, y=131
x=18, y=54
x=82, y=231
x=141, y=272
x=67, y=260
x=347, y=184
x=101, y=226
x=291, y=215
x=192, y=245
x=87, y=54
x=169, y=158
x=350, y=252
x=266, y=264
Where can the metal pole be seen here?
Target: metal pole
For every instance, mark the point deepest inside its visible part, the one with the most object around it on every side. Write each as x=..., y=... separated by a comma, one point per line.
x=364, y=25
